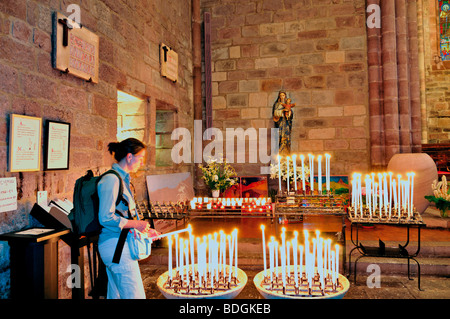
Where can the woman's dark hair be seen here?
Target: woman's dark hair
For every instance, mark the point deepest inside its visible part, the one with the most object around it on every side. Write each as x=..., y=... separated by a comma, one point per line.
x=121, y=149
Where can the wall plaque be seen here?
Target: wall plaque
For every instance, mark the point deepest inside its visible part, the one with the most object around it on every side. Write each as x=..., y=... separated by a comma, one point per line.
x=75, y=48
x=169, y=63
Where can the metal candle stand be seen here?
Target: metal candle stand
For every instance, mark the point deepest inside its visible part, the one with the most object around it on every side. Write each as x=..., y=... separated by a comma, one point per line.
x=397, y=218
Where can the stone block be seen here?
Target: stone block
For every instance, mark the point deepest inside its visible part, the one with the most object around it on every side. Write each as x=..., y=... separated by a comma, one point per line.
x=322, y=133
x=219, y=102
x=257, y=99
x=271, y=28
x=237, y=100
x=273, y=49
x=266, y=63
x=335, y=57
x=330, y=111
x=249, y=86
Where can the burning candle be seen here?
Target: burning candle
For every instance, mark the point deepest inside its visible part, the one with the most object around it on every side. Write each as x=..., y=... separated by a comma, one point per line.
x=412, y=192
x=294, y=162
x=279, y=172
x=170, y=257
x=176, y=251
x=311, y=171
x=230, y=243
x=327, y=169
x=271, y=258
x=235, y=253
x=302, y=157
x=287, y=169
x=319, y=173
x=264, y=249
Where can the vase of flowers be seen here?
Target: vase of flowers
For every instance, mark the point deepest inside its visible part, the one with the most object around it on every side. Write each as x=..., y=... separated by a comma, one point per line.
x=218, y=175
x=441, y=196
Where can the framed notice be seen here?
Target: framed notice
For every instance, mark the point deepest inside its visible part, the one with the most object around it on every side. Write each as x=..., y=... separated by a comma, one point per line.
x=57, y=145
x=25, y=143
x=75, y=48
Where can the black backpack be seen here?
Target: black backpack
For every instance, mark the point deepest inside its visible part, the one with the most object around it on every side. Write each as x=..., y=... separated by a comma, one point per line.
x=84, y=215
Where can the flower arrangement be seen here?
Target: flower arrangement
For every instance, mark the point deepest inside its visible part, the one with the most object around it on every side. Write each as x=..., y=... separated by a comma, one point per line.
x=441, y=196
x=218, y=175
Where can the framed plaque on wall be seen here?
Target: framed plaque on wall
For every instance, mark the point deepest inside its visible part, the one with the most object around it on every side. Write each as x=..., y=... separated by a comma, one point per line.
x=57, y=145
x=25, y=143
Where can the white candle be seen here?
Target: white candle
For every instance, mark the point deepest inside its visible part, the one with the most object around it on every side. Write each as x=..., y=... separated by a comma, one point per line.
x=327, y=163
x=230, y=244
x=264, y=249
x=302, y=157
x=283, y=265
x=199, y=262
x=186, y=251
x=301, y=261
x=311, y=171
x=380, y=191
x=235, y=253
x=279, y=172
x=337, y=261
x=271, y=259
x=319, y=172
x=399, y=181
x=176, y=251
x=294, y=162
x=412, y=192
x=180, y=255
x=288, y=258
x=287, y=169
x=394, y=193
x=170, y=257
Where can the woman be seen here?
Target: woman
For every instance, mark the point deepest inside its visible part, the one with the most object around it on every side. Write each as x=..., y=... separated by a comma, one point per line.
x=124, y=278
x=282, y=116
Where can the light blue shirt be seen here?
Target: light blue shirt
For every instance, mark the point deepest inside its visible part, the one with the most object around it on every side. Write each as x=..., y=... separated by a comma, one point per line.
x=108, y=190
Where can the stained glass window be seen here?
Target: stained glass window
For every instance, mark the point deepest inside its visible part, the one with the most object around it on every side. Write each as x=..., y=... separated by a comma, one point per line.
x=444, y=25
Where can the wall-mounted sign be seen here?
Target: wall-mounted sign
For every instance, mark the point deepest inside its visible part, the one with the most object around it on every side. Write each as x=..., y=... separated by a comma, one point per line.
x=8, y=194
x=57, y=146
x=25, y=143
x=75, y=48
x=169, y=62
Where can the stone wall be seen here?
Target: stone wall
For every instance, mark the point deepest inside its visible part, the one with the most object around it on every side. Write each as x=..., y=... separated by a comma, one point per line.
x=130, y=33
x=316, y=51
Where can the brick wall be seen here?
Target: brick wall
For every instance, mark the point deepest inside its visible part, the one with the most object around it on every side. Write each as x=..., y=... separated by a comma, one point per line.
x=316, y=51
x=130, y=33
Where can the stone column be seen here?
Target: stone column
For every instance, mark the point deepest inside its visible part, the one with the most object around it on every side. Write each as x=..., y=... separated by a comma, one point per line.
x=394, y=82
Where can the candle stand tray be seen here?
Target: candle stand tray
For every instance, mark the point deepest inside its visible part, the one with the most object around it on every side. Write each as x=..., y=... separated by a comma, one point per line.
x=178, y=287
x=274, y=289
x=164, y=210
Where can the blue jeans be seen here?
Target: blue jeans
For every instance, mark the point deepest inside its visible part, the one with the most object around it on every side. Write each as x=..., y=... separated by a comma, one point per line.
x=124, y=278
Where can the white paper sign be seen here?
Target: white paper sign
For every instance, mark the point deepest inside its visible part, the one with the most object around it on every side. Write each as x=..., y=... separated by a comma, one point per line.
x=8, y=194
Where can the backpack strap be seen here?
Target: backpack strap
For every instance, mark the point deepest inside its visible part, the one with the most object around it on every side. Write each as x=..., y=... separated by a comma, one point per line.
x=124, y=232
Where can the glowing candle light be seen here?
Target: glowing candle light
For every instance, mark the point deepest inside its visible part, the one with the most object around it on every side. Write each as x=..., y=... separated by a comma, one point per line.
x=327, y=170
x=294, y=162
x=302, y=157
x=186, y=252
x=301, y=261
x=288, y=258
x=311, y=172
x=176, y=251
x=264, y=249
x=180, y=255
x=230, y=254
x=399, y=181
x=337, y=260
x=236, y=254
x=412, y=192
x=170, y=257
x=279, y=172
x=319, y=173
x=288, y=167
x=271, y=258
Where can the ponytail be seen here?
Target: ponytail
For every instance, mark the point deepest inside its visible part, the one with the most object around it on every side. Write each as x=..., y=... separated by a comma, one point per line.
x=120, y=149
